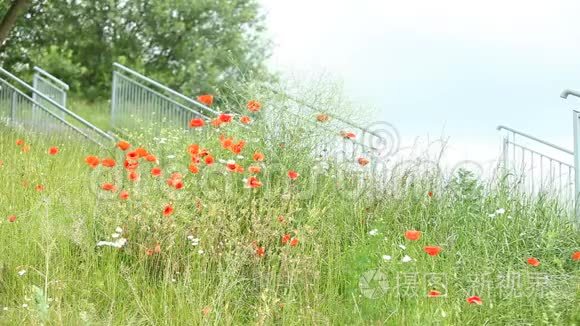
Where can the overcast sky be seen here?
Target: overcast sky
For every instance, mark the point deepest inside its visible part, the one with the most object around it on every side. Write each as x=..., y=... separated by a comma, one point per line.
x=457, y=67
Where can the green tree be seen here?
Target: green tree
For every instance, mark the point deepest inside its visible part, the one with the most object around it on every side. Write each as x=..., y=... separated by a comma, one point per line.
x=194, y=46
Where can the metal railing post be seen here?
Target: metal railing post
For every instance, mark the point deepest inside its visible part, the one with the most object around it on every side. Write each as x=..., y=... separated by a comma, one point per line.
x=114, y=100
x=576, y=122
x=13, y=107
x=505, y=154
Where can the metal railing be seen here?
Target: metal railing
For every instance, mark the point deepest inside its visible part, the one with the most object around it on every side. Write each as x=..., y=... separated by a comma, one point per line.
x=538, y=166
x=36, y=117
x=366, y=142
x=19, y=109
x=50, y=86
x=138, y=99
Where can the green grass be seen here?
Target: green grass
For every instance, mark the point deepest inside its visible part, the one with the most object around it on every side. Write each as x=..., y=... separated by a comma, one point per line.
x=68, y=280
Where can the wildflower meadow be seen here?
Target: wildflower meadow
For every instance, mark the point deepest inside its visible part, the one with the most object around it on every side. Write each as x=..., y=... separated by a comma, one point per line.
x=225, y=222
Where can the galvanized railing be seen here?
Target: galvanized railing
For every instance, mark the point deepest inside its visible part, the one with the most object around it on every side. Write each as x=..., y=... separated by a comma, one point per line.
x=35, y=116
x=138, y=100
x=537, y=166
x=19, y=109
x=365, y=142
x=50, y=86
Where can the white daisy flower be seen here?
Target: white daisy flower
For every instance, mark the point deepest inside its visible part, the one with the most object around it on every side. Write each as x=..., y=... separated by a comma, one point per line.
x=500, y=211
x=22, y=272
x=373, y=232
x=387, y=257
x=406, y=259
x=402, y=246
x=119, y=230
x=119, y=243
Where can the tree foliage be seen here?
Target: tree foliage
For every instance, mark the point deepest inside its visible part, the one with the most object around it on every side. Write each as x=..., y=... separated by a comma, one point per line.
x=194, y=46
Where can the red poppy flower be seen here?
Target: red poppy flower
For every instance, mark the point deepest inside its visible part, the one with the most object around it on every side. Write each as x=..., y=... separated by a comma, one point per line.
x=108, y=162
x=131, y=165
x=149, y=252
x=133, y=156
x=253, y=182
x=216, y=123
x=232, y=166
x=533, y=261
x=474, y=300
x=39, y=188
x=178, y=184
x=260, y=251
x=430, y=194
x=254, y=169
x=259, y=157
x=25, y=148
x=286, y=238
x=168, y=210
x=123, y=145
x=347, y=135
x=124, y=195
x=151, y=158
x=156, y=171
x=293, y=175
x=432, y=250
x=225, y=118
x=12, y=218
x=254, y=106
x=109, y=187
x=134, y=176
x=53, y=150
x=281, y=219
x=413, y=235
x=362, y=161
x=294, y=242
x=433, y=294
x=92, y=161
x=238, y=147
x=141, y=152
x=322, y=117
x=196, y=123
x=19, y=142
x=245, y=119
x=193, y=149
x=195, y=159
x=193, y=168
x=209, y=160
x=205, y=99
x=576, y=256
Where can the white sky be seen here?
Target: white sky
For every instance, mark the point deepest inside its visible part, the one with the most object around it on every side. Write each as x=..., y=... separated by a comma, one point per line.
x=453, y=67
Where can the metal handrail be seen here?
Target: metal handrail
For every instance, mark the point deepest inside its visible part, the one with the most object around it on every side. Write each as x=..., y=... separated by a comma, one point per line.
x=163, y=87
x=21, y=93
x=160, y=95
x=501, y=127
x=565, y=93
x=60, y=107
x=52, y=78
x=313, y=109
x=540, y=154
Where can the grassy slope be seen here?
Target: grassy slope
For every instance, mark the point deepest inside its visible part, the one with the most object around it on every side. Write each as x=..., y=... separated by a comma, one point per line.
x=316, y=282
